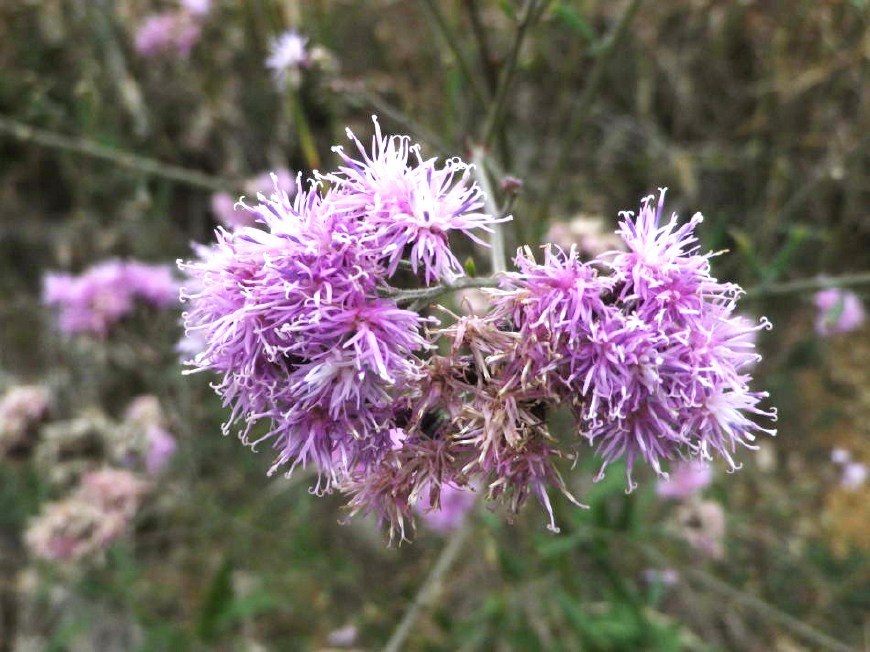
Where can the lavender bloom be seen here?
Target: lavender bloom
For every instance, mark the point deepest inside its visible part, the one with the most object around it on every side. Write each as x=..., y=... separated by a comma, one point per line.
x=155, y=443
x=702, y=526
x=839, y=312
x=686, y=481
x=233, y=214
x=171, y=31
x=22, y=409
x=107, y=292
x=288, y=55
x=292, y=320
x=841, y=456
x=455, y=503
x=854, y=475
x=196, y=7
x=95, y=515
x=410, y=206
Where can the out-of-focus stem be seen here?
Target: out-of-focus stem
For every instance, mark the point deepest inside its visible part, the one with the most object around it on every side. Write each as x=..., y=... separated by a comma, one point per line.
x=580, y=110
x=28, y=134
x=505, y=80
x=306, y=140
x=478, y=157
x=430, y=294
x=808, y=285
x=441, y=22
x=429, y=589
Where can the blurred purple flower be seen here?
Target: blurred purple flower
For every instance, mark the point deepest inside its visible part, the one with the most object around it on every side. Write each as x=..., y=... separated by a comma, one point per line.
x=196, y=7
x=665, y=576
x=95, y=515
x=288, y=54
x=839, y=311
x=455, y=503
x=107, y=292
x=161, y=448
x=22, y=408
x=686, y=480
x=854, y=475
x=841, y=456
x=702, y=526
x=168, y=32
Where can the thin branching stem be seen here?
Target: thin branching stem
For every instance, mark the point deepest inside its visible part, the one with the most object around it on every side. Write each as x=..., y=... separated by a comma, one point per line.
x=580, y=110
x=808, y=285
x=479, y=92
x=495, y=115
x=430, y=294
x=497, y=243
x=27, y=134
x=429, y=589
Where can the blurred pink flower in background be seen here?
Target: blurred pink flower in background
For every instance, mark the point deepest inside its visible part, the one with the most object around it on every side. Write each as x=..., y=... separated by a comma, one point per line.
x=102, y=295
x=288, y=55
x=175, y=31
x=145, y=413
x=22, y=409
x=161, y=448
x=197, y=7
x=839, y=311
x=702, y=526
x=589, y=233
x=687, y=479
x=456, y=502
x=94, y=516
x=664, y=576
x=854, y=475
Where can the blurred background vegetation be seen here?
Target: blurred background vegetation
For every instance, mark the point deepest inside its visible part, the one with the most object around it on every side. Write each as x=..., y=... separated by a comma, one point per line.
x=753, y=112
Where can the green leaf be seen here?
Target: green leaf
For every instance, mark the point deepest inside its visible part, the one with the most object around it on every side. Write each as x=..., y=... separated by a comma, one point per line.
x=470, y=267
x=216, y=603
x=571, y=17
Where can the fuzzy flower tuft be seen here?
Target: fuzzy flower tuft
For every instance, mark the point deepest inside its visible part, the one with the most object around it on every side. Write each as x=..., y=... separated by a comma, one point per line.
x=410, y=205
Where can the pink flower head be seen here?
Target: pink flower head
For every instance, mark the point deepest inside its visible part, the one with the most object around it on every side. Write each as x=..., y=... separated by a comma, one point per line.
x=840, y=311
x=22, y=409
x=854, y=475
x=702, y=526
x=686, y=480
x=169, y=32
x=291, y=317
x=196, y=7
x=107, y=292
x=410, y=205
x=94, y=516
x=288, y=54
x=233, y=214
x=456, y=502
x=161, y=448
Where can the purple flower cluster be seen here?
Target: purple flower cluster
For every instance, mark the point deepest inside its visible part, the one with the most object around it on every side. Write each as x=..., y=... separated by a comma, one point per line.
x=643, y=343
x=296, y=316
x=303, y=319
x=97, y=299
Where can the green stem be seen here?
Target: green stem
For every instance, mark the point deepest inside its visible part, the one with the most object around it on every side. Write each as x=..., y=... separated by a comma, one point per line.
x=580, y=111
x=453, y=43
x=496, y=111
x=306, y=140
x=808, y=285
x=27, y=134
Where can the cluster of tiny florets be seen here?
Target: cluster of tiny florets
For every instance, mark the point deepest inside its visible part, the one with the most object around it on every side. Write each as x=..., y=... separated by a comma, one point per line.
x=319, y=355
